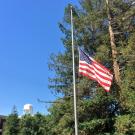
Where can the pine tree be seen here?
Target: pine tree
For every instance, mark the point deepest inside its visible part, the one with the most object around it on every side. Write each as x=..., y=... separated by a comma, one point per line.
x=12, y=123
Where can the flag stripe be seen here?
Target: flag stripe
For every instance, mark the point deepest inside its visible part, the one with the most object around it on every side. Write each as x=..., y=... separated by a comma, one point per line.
x=87, y=70
x=83, y=63
x=105, y=87
x=87, y=67
x=94, y=70
x=99, y=65
x=93, y=78
x=104, y=76
x=102, y=67
x=88, y=75
x=98, y=71
x=96, y=77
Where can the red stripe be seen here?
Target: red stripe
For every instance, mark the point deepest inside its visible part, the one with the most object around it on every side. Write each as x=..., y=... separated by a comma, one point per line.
x=102, y=66
x=98, y=80
x=101, y=70
x=93, y=64
x=107, y=90
x=85, y=74
x=83, y=64
x=88, y=70
x=105, y=84
x=104, y=87
x=103, y=77
x=90, y=77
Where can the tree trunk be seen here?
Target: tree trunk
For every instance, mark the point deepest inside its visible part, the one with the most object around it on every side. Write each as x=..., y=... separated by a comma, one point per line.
x=114, y=50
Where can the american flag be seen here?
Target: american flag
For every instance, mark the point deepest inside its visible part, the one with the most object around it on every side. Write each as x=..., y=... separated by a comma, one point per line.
x=94, y=70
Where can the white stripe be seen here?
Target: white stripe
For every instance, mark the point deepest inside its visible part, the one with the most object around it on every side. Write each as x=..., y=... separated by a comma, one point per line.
x=105, y=87
x=92, y=59
x=94, y=71
x=86, y=67
x=109, y=74
x=98, y=78
x=101, y=68
x=85, y=72
x=83, y=62
x=103, y=80
x=103, y=74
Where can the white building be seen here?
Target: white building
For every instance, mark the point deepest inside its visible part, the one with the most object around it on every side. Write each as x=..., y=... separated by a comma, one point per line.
x=28, y=109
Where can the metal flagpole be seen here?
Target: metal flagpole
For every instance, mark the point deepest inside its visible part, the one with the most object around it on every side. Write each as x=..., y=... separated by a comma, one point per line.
x=74, y=86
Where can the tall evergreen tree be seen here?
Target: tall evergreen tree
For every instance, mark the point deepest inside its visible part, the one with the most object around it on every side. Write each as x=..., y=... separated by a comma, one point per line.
x=12, y=123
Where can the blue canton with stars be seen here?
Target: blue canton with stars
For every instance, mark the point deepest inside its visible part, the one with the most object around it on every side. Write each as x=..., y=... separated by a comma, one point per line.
x=84, y=57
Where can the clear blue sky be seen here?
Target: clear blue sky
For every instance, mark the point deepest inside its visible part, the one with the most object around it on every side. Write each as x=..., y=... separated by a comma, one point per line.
x=29, y=33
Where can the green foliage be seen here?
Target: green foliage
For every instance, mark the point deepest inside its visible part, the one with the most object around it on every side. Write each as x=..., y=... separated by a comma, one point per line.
x=12, y=123
x=93, y=127
x=61, y=118
x=125, y=125
x=27, y=125
x=98, y=112
x=33, y=125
